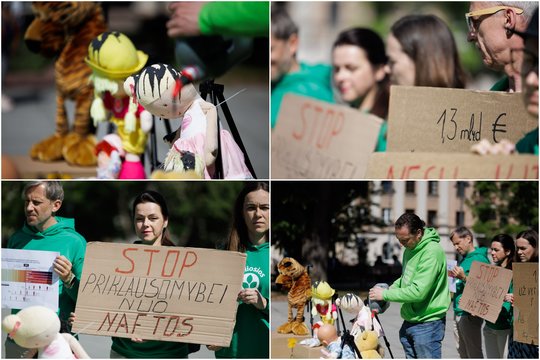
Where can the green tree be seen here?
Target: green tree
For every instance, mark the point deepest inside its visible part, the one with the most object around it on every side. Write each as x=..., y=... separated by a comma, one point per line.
x=504, y=207
x=308, y=218
x=200, y=213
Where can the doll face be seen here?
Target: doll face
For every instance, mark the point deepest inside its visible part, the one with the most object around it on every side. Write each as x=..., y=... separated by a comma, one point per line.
x=157, y=90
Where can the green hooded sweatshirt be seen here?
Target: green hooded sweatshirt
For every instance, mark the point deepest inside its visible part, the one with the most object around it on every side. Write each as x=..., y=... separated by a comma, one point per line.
x=243, y=18
x=311, y=80
x=250, y=336
x=423, y=287
x=60, y=237
x=478, y=254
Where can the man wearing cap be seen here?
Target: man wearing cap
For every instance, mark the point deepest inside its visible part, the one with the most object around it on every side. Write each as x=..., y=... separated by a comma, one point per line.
x=422, y=289
x=492, y=26
x=113, y=57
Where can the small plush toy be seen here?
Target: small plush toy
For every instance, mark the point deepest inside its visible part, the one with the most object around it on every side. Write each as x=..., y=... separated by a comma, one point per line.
x=37, y=328
x=328, y=337
x=63, y=30
x=109, y=153
x=322, y=305
x=167, y=93
x=294, y=277
x=367, y=343
x=113, y=57
x=364, y=320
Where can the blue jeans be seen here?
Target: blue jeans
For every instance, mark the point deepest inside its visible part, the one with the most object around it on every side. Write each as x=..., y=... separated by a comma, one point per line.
x=422, y=340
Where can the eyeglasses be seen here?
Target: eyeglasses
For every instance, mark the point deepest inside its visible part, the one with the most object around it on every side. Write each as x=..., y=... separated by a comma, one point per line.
x=524, y=61
x=473, y=24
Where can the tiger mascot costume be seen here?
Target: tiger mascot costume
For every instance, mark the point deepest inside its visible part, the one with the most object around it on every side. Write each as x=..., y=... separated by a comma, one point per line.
x=294, y=277
x=63, y=30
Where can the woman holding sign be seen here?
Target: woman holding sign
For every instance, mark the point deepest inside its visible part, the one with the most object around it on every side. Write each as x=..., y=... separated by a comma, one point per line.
x=358, y=60
x=526, y=251
x=249, y=234
x=150, y=217
x=496, y=334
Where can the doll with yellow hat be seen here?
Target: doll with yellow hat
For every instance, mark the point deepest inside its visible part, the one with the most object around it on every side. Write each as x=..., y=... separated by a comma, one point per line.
x=113, y=57
x=322, y=304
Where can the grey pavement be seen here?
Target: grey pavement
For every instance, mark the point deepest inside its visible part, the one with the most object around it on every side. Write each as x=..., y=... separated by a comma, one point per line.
x=391, y=322
x=98, y=347
x=32, y=119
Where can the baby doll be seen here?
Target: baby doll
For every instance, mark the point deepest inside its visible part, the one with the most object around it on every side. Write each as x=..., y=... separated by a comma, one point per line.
x=38, y=328
x=363, y=321
x=328, y=337
x=109, y=154
x=113, y=58
x=158, y=88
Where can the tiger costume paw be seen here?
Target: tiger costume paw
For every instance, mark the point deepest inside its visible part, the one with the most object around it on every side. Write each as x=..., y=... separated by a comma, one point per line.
x=79, y=149
x=49, y=149
x=299, y=328
x=285, y=328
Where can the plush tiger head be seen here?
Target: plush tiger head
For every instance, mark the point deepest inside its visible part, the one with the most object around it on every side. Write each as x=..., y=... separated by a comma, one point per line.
x=46, y=35
x=290, y=267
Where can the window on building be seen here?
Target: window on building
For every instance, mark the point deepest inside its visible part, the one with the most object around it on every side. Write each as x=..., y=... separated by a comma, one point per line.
x=460, y=218
x=432, y=218
x=433, y=188
x=387, y=215
x=409, y=187
x=460, y=188
x=387, y=187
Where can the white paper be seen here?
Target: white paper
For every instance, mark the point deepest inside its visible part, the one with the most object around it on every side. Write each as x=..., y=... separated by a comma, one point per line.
x=28, y=279
x=451, y=280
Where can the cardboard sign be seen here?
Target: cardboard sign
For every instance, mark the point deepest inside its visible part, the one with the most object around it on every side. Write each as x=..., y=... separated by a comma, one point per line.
x=451, y=166
x=159, y=293
x=526, y=302
x=318, y=140
x=484, y=290
x=428, y=119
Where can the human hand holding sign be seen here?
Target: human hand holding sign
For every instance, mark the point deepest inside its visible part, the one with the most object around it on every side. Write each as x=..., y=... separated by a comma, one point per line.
x=62, y=266
x=252, y=297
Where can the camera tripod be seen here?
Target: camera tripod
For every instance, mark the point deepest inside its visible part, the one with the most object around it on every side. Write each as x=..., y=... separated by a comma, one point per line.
x=347, y=338
x=215, y=91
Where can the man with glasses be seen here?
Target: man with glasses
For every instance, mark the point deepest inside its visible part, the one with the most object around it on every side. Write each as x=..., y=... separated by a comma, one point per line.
x=493, y=26
x=422, y=289
x=525, y=62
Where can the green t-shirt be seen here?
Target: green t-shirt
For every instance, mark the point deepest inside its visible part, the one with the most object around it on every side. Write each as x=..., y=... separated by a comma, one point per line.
x=381, y=140
x=60, y=237
x=310, y=80
x=529, y=143
x=478, y=254
x=250, y=336
x=502, y=85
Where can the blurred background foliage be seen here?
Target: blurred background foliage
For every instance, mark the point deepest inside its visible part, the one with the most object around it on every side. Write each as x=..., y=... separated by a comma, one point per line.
x=200, y=212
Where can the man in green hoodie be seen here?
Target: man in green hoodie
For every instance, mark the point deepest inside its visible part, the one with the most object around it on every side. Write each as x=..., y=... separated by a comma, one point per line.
x=44, y=231
x=467, y=328
x=288, y=75
x=422, y=289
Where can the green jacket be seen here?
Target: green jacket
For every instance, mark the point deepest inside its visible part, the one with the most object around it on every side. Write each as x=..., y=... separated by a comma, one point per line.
x=478, y=254
x=60, y=237
x=250, y=336
x=423, y=287
x=311, y=80
x=244, y=18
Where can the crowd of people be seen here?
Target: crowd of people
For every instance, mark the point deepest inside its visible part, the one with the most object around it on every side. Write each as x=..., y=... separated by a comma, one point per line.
x=423, y=290
x=420, y=51
x=45, y=230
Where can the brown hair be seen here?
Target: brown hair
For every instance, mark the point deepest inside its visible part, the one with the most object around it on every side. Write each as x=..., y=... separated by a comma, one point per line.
x=373, y=46
x=156, y=198
x=238, y=237
x=428, y=41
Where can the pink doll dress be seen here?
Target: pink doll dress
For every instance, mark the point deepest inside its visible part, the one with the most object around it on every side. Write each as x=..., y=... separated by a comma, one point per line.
x=192, y=138
x=58, y=349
